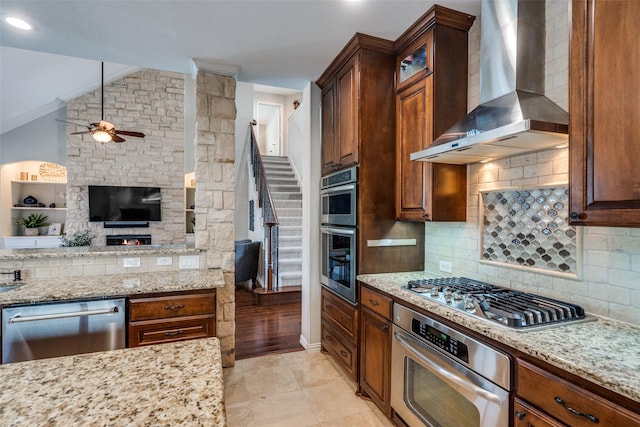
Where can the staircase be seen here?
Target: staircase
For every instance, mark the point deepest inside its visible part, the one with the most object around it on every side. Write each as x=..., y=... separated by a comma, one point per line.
x=287, y=200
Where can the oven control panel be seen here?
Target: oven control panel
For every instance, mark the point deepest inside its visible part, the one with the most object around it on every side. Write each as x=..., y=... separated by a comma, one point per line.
x=440, y=339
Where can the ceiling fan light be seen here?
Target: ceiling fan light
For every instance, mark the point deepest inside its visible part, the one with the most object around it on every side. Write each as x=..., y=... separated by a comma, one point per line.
x=101, y=136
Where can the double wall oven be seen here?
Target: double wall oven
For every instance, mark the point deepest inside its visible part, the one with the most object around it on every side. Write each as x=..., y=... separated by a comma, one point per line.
x=339, y=217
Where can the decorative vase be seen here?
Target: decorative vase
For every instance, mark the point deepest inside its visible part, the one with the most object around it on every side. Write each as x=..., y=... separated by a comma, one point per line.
x=31, y=231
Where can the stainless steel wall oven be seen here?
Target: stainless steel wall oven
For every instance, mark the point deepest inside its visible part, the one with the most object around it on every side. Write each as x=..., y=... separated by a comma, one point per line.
x=441, y=377
x=338, y=197
x=339, y=201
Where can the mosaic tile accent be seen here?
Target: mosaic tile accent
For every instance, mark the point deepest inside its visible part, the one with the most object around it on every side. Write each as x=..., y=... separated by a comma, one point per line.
x=529, y=228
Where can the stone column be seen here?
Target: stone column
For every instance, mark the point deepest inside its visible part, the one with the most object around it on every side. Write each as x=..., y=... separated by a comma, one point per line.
x=215, y=193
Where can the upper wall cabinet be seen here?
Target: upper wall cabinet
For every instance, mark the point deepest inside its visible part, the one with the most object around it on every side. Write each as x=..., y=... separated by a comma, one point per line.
x=357, y=96
x=431, y=73
x=604, y=82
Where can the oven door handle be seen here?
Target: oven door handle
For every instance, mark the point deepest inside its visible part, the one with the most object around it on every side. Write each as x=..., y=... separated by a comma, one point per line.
x=347, y=187
x=445, y=373
x=343, y=231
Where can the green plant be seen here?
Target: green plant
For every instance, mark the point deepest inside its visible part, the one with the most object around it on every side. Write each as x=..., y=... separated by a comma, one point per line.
x=34, y=220
x=82, y=238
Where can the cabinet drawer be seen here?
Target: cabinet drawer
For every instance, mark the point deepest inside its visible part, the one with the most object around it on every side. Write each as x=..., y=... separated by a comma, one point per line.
x=163, y=331
x=171, y=306
x=376, y=302
x=341, y=314
x=554, y=395
x=341, y=348
x=527, y=416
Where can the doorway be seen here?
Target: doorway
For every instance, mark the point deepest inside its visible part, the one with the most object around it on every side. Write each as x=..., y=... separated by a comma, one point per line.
x=269, y=128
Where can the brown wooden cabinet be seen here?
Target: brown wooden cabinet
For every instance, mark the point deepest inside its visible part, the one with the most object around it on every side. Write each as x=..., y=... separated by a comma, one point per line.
x=560, y=402
x=375, y=347
x=428, y=102
x=162, y=319
x=357, y=91
x=340, y=331
x=604, y=77
x=358, y=127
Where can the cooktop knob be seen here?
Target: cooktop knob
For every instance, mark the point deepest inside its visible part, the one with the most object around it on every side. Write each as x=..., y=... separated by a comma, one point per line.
x=457, y=296
x=469, y=305
x=435, y=292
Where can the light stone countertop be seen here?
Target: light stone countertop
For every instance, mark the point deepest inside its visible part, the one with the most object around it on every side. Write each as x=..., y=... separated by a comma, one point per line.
x=110, y=285
x=605, y=352
x=161, y=385
x=90, y=251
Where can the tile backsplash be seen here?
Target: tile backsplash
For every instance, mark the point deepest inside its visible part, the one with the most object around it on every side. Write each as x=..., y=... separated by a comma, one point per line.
x=529, y=227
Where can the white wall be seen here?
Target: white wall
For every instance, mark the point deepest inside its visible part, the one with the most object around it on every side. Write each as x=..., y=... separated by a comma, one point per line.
x=610, y=284
x=43, y=139
x=244, y=107
x=305, y=147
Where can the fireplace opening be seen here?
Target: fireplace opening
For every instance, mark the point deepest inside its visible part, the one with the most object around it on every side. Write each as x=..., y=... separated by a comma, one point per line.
x=129, y=240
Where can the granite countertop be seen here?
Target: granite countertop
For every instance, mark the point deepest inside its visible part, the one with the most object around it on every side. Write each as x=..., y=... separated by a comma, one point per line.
x=85, y=251
x=168, y=384
x=604, y=351
x=110, y=285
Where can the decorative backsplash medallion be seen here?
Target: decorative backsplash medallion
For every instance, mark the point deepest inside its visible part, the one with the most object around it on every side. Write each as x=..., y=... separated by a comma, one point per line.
x=529, y=228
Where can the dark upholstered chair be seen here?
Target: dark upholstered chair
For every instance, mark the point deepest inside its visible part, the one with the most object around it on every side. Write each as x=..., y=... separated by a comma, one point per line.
x=246, y=261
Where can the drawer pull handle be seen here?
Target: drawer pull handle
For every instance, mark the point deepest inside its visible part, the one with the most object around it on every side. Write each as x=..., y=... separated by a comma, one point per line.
x=343, y=353
x=590, y=417
x=172, y=334
x=173, y=307
x=329, y=338
x=373, y=302
x=520, y=415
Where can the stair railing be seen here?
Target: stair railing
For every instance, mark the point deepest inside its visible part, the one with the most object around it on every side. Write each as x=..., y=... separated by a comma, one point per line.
x=269, y=216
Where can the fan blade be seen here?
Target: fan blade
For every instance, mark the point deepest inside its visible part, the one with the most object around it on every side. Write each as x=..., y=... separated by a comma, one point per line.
x=116, y=138
x=71, y=123
x=78, y=133
x=129, y=133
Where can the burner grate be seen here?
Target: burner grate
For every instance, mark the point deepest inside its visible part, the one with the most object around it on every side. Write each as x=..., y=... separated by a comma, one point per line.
x=505, y=306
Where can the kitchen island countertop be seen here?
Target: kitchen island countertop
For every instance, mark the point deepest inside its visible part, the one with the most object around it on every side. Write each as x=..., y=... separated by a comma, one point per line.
x=604, y=351
x=51, y=289
x=169, y=384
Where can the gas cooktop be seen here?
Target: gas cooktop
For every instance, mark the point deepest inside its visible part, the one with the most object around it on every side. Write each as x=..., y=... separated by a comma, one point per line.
x=507, y=307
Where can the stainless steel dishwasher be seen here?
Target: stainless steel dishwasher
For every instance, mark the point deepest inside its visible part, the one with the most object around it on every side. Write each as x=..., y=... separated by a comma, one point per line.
x=61, y=329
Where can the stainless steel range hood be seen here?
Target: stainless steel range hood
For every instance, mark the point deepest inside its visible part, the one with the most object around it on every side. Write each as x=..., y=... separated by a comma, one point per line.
x=514, y=116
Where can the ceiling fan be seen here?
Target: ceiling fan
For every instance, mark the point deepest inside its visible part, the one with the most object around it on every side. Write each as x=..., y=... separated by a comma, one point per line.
x=104, y=131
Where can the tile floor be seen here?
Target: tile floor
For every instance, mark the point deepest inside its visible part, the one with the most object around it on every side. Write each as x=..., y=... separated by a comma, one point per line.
x=294, y=390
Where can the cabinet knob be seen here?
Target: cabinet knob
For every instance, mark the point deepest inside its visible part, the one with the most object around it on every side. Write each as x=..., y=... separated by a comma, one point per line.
x=425, y=216
x=575, y=216
x=520, y=415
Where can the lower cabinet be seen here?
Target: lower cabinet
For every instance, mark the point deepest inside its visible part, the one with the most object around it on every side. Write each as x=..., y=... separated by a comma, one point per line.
x=340, y=331
x=555, y=401
x=162, y=319
x=376, y=311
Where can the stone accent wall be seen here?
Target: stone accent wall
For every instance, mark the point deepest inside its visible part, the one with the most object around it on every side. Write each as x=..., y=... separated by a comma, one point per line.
x=149, y=101
x=215, y=193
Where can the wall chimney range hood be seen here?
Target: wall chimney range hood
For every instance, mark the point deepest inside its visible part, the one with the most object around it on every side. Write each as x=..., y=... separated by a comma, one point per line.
x=514, y=117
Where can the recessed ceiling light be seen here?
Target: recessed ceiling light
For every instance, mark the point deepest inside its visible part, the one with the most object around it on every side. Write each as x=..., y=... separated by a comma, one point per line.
x=18, y=23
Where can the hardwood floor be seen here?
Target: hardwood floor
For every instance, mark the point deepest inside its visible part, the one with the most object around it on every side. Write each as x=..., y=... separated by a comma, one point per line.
x=262, y=330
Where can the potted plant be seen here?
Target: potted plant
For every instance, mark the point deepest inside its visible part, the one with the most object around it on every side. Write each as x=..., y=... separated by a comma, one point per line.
x=32, y=222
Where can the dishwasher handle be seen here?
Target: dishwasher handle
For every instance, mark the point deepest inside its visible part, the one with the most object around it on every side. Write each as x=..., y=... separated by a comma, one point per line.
x=19, y=318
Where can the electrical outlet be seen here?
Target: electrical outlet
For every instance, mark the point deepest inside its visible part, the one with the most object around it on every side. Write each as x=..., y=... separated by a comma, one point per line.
x=164, y=260
x=189, y=261
x=131, y=262
x=445, y=266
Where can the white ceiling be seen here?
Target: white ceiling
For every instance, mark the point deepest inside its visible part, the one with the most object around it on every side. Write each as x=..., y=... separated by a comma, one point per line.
x=282, y=43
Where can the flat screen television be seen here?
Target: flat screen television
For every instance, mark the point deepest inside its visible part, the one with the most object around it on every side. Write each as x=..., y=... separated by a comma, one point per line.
x=111, y=203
